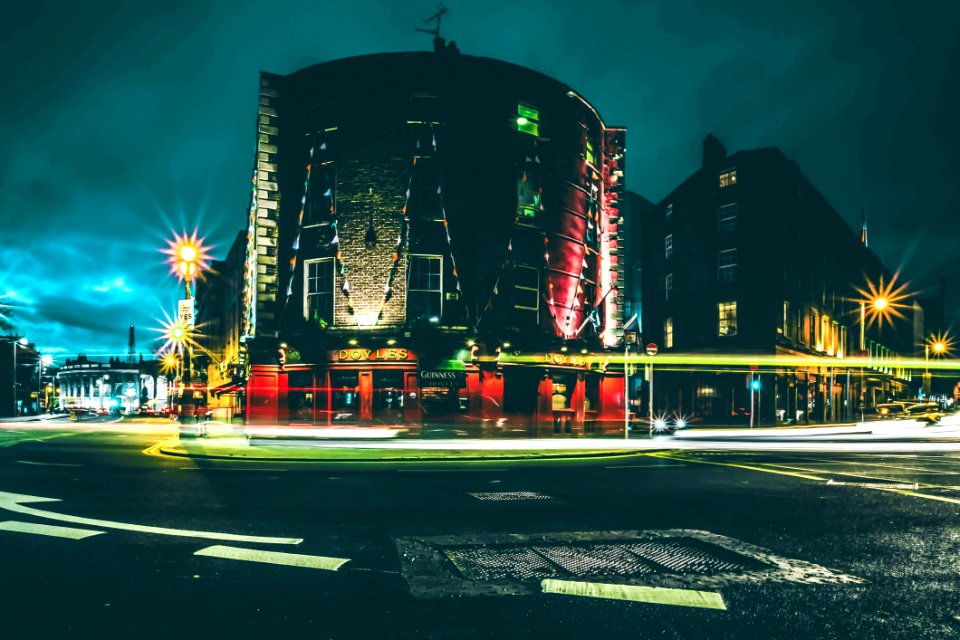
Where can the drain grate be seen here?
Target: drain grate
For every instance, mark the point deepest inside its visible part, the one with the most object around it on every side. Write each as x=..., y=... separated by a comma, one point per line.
x=675, y=556
x=509, y=496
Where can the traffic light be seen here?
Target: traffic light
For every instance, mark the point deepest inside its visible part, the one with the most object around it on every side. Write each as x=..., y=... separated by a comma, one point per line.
x=755, y=384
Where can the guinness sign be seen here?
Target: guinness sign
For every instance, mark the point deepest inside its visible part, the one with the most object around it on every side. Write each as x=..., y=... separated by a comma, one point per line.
x=445, y=379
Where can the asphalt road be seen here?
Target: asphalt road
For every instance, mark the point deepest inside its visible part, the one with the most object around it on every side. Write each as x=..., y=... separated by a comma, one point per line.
x=849, y=545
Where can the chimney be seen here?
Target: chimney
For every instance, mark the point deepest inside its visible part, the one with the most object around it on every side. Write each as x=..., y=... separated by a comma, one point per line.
x=714, y=153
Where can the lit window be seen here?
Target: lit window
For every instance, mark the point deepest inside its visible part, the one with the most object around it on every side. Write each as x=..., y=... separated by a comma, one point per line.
x=318, y=290
x=667, y=286
x=668, y=246
x=528, y=120
x=323, y=182
x=668, y=333
x=727, y=318
x=727, y=218
x=528, y=197
x=727, y=265
x=728, y=178
x=590, y=152
x=526, y=288
x=669, y=211
x=424, y=287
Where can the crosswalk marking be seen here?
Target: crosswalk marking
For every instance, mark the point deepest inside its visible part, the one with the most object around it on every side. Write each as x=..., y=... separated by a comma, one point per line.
x=273, y=557
x=47, y=530
x=634, y=593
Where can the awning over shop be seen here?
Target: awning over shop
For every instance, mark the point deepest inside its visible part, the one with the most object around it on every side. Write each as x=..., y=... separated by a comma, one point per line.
x=232, y=387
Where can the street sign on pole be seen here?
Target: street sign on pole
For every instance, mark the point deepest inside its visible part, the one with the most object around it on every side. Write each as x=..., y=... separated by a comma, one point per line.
x=185, y=312
x=651, y=349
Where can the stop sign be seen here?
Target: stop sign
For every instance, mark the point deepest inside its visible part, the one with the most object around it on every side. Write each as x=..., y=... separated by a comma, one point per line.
x=651, y=349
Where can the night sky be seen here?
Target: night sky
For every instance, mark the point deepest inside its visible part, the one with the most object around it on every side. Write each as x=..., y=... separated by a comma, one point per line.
x=122, y=122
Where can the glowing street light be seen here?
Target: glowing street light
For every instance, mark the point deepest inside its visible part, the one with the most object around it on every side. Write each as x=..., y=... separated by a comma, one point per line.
x=879, y=302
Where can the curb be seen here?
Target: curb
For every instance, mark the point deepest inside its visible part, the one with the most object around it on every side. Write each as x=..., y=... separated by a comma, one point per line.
x=213, y=456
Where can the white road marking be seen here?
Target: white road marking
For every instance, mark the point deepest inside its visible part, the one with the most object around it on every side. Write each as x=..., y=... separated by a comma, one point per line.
x=643, y=466
x=49, y=464
x=12, y=502
x=875, y=485
x=227, y=469
x=449, y=470
x=653, y=595
x=273, y=557
x=47, y=530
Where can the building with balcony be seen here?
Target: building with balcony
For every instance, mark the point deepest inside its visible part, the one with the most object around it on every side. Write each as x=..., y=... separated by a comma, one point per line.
x=432, y=236
x=747, y=258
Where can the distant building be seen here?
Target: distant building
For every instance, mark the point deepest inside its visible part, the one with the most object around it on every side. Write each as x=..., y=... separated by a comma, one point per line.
x=747, y=257
x=432, y=236
x=115, y=385
x=23, y=361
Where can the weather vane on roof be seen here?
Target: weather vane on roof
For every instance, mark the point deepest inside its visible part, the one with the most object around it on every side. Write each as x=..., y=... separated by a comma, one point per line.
x=441, y=11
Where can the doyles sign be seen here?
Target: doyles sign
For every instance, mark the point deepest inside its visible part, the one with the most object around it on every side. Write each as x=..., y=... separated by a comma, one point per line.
x=446, y=379
x=565, y=360
x=372, y=355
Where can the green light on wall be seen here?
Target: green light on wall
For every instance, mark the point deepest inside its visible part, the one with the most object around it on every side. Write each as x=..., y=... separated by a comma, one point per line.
x=528, y=120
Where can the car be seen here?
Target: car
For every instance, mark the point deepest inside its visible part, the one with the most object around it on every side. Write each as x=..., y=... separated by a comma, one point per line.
x=929, y=412
x=889, y=411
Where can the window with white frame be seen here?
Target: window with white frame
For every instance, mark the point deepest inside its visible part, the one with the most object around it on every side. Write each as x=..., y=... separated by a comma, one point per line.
x=318, y=285
x=668, y=333
x=727, y=265
x=668, y=246
x=424, y=288
x=728, y=178
x=526, y=288
x=668, y=286
x=669, y=211
x=727, y=318
x=727, y=218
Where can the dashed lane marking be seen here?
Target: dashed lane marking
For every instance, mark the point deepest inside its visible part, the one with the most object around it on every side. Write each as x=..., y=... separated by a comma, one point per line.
x=273, y=557
x=642, y=466
x=874, y=485
x=227, y=469
x=47, y=530
x=634, y=593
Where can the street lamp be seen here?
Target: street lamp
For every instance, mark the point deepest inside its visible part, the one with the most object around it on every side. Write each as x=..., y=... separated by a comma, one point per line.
x=22, y=342
x=188, y=258
x=938, y=345
x=45, y=361
x=878, y=302
x=626, y=379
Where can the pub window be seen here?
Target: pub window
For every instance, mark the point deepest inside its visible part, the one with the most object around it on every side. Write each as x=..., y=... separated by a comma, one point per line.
x=727, y=265
x=668, y=246
x=727, y=218
x=668, y=286
x=590, y=152
x=425, y=288
x=319, y=208
x=669, y=210
x=728, y=178
x=318, y=290
x=528, y=119
x=668, y=333
x=727, y=318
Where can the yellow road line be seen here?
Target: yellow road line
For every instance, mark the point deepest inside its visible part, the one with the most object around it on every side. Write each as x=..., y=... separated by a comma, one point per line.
x=917, y=494
x=634, y=593
x=671, y=456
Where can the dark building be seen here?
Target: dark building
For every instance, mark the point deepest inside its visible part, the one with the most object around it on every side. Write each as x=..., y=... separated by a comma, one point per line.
x=20, y=386
x=432, y=235
x=746, y=257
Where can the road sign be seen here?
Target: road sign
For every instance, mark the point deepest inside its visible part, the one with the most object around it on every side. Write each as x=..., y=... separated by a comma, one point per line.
x=185, y=312
x=651, y=349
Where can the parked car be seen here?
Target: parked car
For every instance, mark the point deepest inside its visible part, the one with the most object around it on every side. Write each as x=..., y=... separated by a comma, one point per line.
x=889, y=411
x=929, y=412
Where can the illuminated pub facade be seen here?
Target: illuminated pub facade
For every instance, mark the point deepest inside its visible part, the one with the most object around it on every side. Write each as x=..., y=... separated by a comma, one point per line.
x=433, y=237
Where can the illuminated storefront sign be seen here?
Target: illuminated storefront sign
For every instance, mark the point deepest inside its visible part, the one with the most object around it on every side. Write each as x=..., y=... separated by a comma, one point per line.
x=565, y=360
x=373, y=355
x=447, y=379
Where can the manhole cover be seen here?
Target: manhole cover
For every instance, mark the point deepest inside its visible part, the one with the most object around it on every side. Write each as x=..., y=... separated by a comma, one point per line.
x=509, y=496
x=516, y=563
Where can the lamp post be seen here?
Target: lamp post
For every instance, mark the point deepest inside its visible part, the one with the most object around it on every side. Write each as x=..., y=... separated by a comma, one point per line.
x=938, y=345
x=187, y=257
x=45, y=361
x=626, y=379
x=22, y=342
x=878, y=306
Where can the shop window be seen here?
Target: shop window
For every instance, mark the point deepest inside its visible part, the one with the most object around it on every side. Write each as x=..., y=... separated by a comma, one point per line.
x=668, y=287
x=668, y=246
x=526, y=288
x=528, y=119
x=300, y=395
x=318, y=290
x=521, y=391
x=425, y=288
x=388, y=396
x=345, y=395
x=727, y=318
x=728, y=178
x=668, y=333
x=727, y=265
x=727, y=218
